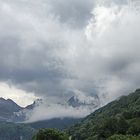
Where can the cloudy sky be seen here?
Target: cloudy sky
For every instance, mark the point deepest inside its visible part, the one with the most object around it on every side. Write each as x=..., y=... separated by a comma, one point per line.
x=51, y=48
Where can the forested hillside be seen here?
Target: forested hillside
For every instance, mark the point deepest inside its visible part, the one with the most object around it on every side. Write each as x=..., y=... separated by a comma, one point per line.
x=59, y=123
x=11, y=131
x=120, y=117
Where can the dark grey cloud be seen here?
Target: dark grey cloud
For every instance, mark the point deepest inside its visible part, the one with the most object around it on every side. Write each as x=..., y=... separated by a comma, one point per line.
x=24, y=67
x=74, y=13
x=42, y=51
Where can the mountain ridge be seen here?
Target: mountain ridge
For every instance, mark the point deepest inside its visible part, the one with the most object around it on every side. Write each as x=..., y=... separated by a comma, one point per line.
x=7, y=109
x=21, y=115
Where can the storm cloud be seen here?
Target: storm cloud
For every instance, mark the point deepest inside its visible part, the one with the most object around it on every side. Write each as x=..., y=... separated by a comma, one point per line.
x=53, y=47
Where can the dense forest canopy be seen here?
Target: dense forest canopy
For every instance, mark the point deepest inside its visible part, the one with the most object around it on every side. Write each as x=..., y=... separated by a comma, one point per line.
x=50, y=134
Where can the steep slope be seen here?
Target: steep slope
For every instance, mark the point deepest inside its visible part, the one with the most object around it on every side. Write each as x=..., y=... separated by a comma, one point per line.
x=7, y=109
x=118, y=117
x=90, y=102
x=34, y=104
x=20, y=116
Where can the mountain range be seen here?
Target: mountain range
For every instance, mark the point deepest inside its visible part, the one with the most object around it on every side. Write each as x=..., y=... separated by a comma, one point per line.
x=12, y=112
x=7, y=109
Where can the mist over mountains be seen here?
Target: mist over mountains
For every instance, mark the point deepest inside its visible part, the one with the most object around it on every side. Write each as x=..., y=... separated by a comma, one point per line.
x=75, y=108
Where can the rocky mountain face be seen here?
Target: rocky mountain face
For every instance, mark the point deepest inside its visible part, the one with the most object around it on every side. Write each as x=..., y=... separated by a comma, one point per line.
x=7, y=109
x=11, y=112
x=20, y=116
x=89, y=102
x=35, y=104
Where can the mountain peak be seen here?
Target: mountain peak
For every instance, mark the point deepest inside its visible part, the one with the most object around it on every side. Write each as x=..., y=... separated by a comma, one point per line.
x=34, y=104
x=7, y=108
x=2, y=99
x=79, y=99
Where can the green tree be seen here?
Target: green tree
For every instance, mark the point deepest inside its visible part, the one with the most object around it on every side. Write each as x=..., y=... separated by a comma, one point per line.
x=124, y=137
x=50, y=134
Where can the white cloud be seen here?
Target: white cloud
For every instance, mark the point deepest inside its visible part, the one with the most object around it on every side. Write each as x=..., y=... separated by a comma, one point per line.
x=49, y=53
x=21, y=97
x=47, y=112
